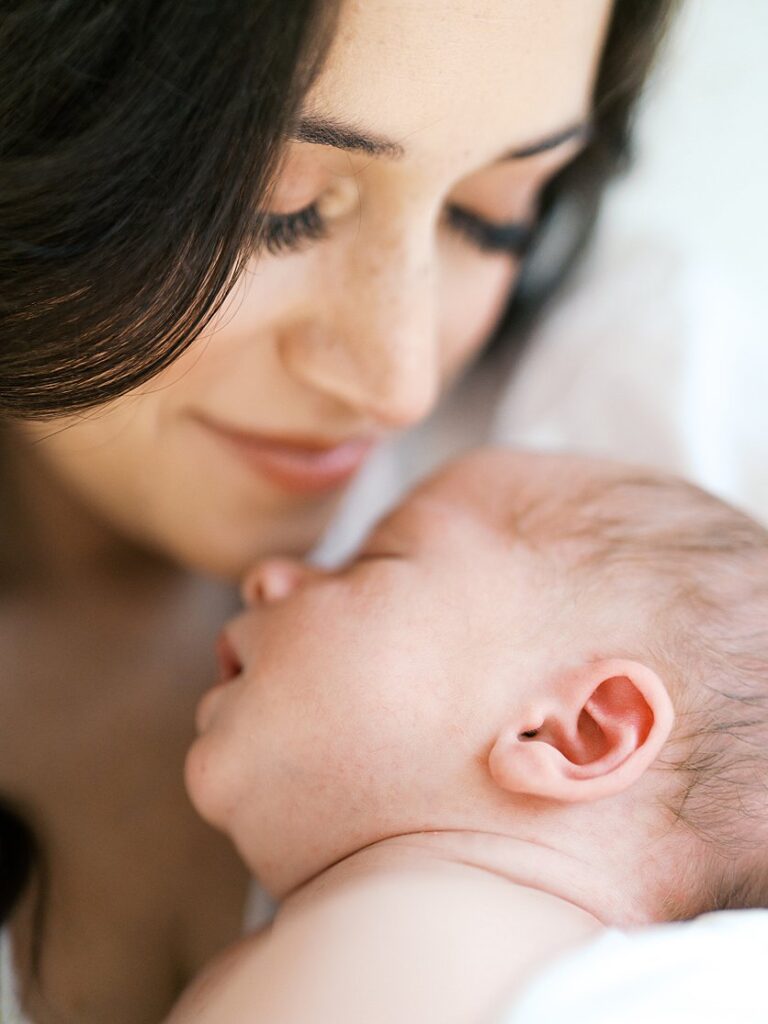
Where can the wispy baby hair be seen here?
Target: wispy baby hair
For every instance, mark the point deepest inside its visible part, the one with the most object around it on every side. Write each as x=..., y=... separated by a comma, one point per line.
x=697, y=571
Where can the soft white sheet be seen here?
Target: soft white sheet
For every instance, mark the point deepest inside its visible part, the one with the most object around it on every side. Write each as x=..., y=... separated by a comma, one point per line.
x=655, y=356
x=708, y=971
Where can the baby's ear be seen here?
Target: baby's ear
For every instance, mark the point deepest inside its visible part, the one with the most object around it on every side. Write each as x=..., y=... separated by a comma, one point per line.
x=592, y=734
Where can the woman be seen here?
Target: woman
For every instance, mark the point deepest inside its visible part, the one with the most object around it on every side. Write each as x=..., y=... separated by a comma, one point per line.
x=242, y=244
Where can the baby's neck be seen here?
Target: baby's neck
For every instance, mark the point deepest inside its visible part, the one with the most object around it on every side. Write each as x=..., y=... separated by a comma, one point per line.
x=522, y=868
x=435, y=892
x=421, y=927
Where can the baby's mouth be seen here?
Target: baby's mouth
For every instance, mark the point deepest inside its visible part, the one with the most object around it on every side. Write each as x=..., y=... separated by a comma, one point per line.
x=229, y=664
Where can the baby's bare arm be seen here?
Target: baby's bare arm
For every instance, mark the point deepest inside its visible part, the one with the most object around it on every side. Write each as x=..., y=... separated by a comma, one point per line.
x=410, y=947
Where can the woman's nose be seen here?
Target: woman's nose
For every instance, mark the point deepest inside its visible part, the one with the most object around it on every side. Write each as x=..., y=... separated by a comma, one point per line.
x=274, y=579
x=374, y=348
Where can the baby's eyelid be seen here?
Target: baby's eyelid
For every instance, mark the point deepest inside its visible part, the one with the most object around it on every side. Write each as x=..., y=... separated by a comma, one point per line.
x=380, y=556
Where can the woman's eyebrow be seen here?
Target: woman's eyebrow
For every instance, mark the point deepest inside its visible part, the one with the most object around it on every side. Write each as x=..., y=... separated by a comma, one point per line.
x=325, y=132
x=575, y=132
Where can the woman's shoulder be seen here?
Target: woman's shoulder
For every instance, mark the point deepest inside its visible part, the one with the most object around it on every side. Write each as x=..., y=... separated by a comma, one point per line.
x=10, y=1010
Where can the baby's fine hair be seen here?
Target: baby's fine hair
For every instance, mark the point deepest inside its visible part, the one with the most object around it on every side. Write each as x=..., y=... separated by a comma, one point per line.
x=697, y=571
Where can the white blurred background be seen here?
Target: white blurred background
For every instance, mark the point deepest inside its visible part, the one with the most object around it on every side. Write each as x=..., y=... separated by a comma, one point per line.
x=702, y=172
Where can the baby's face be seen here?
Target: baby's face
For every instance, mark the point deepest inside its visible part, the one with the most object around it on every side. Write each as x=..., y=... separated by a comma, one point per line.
x=361, y=703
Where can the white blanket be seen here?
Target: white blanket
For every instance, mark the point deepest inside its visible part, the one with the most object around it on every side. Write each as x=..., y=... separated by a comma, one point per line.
x=708, y=971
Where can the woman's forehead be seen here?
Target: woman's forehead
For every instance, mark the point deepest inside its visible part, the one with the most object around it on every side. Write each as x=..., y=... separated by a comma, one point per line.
x=461, y=78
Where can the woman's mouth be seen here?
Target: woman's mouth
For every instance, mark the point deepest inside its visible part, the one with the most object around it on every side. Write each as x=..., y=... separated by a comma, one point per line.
x=296, y=465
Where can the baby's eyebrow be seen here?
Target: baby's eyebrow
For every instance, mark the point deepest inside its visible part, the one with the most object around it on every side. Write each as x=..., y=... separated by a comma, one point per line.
x=373, y=546
x=384, y=539
x=379, y=556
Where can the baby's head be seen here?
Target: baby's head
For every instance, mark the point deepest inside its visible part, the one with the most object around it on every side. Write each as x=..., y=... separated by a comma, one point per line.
x=558, y=650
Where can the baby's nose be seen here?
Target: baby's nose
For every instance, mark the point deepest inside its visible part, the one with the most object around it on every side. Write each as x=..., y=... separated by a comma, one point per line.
x=273, y=579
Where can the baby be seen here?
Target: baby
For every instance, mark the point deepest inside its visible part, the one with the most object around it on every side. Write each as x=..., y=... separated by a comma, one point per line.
x=533, y=705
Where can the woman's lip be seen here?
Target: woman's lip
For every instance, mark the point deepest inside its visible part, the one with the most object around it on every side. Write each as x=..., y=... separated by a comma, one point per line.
x=297, y=465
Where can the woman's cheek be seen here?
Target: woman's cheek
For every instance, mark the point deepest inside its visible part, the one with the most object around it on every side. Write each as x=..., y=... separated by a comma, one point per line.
x=473, y=304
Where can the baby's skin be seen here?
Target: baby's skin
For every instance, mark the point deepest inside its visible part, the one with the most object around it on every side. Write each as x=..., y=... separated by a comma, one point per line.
x=443, y=759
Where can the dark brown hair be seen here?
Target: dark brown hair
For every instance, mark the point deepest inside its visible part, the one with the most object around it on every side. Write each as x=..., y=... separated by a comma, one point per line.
x=136, y=140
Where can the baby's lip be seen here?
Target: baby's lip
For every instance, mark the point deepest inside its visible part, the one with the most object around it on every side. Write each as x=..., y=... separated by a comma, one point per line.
x=229, y=668
x=229, y=664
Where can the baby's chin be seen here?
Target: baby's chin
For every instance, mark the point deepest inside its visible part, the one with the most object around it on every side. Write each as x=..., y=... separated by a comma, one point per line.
x=205, y=785
x=213, y=786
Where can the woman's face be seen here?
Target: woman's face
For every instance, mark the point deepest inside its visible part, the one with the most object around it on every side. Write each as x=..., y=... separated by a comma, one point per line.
x=394, y=226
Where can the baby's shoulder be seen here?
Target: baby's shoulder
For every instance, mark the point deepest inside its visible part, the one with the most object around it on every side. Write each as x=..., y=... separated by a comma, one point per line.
x=208, y=999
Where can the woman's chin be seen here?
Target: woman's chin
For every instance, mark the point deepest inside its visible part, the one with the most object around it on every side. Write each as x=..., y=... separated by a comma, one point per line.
x=228, y=549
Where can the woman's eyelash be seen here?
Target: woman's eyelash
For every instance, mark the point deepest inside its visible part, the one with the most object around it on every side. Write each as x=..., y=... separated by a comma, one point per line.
x=282, y=232
x=513, y=238
x=286, y=232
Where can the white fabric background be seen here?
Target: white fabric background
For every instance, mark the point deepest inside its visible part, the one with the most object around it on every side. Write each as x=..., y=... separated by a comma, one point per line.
x=708, y=971
x=703, y=142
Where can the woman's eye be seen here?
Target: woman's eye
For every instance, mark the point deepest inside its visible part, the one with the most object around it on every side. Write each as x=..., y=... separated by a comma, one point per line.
x=512, y=238
x=285, y=232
